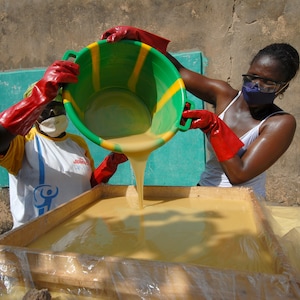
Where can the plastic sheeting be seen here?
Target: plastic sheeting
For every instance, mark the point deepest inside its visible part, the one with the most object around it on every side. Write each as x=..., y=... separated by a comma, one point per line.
x=79, y=276
x=285, y=222
x=85, y=277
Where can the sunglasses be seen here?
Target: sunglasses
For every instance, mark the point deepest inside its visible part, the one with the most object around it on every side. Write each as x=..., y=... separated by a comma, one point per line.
x=265, y=85
x=53, y=109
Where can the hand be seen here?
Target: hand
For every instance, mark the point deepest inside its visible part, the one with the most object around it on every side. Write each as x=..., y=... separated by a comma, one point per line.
x=59, y=73
x=19, y=118
x=202, y=119
x=107, y=168
x=187, y=106
x=223, y=140
x=118, y=33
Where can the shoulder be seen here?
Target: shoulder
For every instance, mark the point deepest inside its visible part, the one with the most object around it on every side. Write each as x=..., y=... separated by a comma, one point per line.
x=225, y=97
x=31, y=134
x=281, y=121
x=282, y=117
x=83, y=144
x=77, y=139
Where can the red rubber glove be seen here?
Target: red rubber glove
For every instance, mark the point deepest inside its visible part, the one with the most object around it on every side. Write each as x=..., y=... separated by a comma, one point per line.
x=19, y=118
x=223, y=140
x=107, y=168
x=118, y=33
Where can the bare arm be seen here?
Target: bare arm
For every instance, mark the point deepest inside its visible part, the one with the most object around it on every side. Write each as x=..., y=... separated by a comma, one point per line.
x=207, y=89
x=276, y=136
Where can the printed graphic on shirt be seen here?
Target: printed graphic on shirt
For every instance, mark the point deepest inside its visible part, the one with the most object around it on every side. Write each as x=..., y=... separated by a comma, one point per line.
x=80, y=161
x=43, y=197
x=80, y=164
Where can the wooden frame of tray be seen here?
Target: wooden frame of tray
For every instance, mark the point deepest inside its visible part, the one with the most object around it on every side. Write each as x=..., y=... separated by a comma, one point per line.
x=117, y=277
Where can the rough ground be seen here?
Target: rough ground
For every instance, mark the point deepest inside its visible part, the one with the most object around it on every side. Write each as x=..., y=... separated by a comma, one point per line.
x=5, y=216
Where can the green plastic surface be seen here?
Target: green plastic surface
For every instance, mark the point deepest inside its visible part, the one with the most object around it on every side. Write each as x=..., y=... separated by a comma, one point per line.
x=127, y=66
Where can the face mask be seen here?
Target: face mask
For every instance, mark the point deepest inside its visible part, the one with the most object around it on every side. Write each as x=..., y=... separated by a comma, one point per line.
x=54, y=126
x=253, y=96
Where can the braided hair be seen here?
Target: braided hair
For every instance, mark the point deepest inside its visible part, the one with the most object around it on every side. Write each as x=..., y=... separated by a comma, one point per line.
x=287, y=55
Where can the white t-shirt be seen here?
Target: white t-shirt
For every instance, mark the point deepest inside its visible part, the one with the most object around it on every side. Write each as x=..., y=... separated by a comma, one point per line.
x=45, y=173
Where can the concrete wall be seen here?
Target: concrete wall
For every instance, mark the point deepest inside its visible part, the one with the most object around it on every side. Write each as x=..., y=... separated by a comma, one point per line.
x=229, y=32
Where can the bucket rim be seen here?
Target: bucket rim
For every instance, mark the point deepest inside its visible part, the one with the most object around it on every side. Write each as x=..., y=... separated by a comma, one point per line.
x=98, y=140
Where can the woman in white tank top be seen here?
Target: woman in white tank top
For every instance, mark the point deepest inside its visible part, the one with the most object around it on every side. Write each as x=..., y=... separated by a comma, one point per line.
x=264, y=129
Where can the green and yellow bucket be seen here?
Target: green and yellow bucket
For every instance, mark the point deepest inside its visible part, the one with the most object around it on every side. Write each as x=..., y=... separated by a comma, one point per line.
x=125, y=89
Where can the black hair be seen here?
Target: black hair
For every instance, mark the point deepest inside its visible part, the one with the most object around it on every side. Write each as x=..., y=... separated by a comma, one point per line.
x=286, y=54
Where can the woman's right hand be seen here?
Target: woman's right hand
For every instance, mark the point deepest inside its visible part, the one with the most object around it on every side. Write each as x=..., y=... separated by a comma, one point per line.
x=118, y=33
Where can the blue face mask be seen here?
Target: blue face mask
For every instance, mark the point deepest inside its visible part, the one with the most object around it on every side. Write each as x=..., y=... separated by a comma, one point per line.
x=253, y=96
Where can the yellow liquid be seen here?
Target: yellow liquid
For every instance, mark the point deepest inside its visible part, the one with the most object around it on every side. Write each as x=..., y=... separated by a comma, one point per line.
x=115, y=113
x=220, y=234
x=120, y=117
x=138, y=163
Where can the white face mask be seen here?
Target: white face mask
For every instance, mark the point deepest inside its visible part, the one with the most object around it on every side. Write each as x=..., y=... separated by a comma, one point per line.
x=54, y=126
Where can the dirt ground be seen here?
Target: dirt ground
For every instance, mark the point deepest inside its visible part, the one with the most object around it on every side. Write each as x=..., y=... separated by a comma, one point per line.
x=6, y=221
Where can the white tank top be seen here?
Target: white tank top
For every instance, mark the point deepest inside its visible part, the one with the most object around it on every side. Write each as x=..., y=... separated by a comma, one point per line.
x=214, y=175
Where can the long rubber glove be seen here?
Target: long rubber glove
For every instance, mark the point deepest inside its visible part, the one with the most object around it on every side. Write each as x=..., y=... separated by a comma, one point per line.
x=118, y=33
x=107, y=168
x=223, y=140
x=19, y=118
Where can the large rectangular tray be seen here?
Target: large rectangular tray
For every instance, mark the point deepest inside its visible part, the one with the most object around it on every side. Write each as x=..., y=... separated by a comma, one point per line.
x=117, y=278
